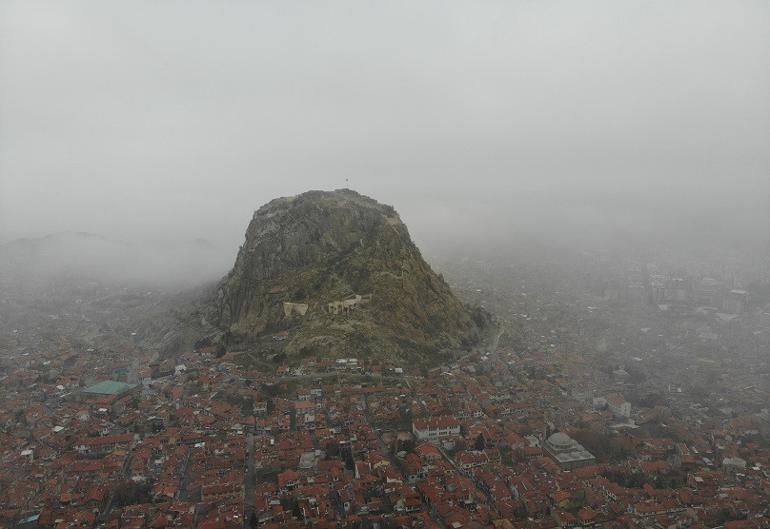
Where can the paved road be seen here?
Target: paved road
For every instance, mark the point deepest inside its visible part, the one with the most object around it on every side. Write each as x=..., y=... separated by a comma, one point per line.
x=124, y=474
x=250, y=480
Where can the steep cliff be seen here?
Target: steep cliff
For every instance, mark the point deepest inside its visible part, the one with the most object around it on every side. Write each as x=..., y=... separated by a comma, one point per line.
x=336, y=273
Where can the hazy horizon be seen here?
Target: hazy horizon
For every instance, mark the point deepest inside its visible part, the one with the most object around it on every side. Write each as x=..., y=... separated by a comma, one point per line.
x=542, y=120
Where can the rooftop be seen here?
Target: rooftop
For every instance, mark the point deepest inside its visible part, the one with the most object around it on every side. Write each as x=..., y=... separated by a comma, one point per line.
x=564, y=449
x=109, y=387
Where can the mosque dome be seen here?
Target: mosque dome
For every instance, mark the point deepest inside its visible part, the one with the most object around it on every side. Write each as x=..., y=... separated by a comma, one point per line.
x=560, y=440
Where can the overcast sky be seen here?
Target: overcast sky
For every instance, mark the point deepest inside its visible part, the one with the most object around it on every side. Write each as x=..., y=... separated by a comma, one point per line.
x=474, y=119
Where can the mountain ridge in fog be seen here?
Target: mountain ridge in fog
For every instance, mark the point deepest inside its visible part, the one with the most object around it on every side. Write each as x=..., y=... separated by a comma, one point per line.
x=93, y=256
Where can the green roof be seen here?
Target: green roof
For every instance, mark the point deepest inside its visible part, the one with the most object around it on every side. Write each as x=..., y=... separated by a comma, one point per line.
x=109, y=387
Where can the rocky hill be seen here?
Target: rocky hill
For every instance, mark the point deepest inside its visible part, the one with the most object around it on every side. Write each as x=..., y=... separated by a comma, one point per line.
x=337, y=274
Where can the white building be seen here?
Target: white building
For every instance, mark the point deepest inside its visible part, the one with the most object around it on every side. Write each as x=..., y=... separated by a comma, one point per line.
x=434, y=428
x=618, y=405
x=567, y=452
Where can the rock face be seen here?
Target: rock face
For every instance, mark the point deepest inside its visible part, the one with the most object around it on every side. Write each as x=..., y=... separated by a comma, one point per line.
x=336, y=274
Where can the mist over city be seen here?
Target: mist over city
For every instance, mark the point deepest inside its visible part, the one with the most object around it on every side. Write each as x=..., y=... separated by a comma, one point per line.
x=382, y=265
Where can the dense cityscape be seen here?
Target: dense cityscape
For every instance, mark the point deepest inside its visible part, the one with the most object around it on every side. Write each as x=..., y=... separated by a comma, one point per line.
x=665, y=426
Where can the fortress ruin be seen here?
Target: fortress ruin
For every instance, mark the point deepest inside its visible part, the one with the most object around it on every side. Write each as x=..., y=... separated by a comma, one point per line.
x=289, y=308
x=347, y=305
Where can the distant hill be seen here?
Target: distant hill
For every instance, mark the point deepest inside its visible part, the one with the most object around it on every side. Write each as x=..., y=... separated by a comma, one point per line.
x=336, y=273
x=34, y=262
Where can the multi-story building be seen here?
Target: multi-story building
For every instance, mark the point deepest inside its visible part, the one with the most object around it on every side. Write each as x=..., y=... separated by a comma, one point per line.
x=618, y=405
x=434, y=428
